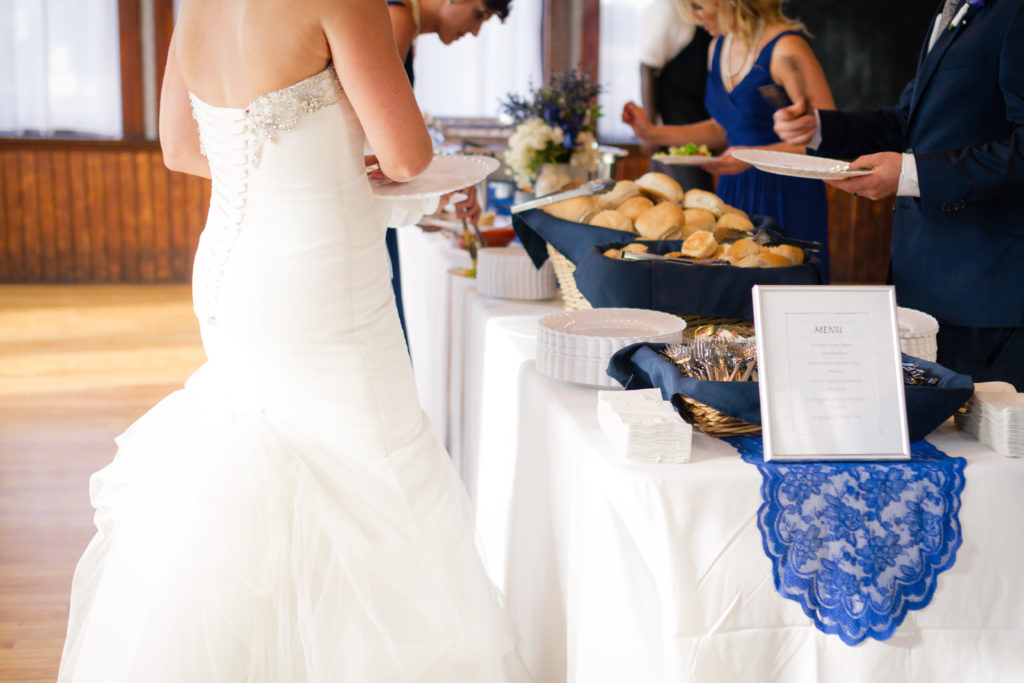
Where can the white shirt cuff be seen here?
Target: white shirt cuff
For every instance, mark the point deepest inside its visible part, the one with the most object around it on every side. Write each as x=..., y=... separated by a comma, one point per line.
x=908, y=186
x=815, y=140
x=404, y=212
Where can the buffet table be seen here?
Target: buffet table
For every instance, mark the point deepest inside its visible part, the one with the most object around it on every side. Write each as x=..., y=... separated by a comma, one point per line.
x=614, y=571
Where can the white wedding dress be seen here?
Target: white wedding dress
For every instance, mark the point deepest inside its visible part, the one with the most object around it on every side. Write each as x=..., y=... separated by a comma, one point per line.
x=289, y=515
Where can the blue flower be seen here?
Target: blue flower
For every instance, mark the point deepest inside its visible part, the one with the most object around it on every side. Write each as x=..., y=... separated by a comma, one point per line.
x=805, y=547
x=879, y=553
x=843, y=521
x=800, y=484
x=883, y=486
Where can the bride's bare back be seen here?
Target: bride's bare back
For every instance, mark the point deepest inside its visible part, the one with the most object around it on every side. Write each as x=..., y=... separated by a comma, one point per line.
x=231, y=51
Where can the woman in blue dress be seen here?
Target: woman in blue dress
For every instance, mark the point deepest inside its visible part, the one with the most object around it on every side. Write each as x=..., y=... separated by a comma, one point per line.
x=755, y=45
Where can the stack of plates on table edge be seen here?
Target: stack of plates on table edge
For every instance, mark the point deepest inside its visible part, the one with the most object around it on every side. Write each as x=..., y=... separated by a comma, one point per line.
x=508, y=273
x=576, y=346
x=918, y=332
x=995, y=417
x=644, y=426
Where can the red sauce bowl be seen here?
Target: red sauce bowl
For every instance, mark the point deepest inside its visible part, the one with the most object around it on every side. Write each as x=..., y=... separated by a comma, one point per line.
x=493, y=237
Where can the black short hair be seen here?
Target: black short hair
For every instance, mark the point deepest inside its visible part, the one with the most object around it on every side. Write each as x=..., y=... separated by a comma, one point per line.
x=501, y=8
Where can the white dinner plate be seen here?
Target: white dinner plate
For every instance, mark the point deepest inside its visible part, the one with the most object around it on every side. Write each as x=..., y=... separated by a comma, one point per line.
x=798, y=165
x=446, y=173
x=684, y=159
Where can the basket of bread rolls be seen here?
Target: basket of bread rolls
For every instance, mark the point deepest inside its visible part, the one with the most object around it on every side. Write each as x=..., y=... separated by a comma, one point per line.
x=647, y=243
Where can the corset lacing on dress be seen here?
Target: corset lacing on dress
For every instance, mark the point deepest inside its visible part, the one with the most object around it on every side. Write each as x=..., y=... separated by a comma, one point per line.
x=232, y=140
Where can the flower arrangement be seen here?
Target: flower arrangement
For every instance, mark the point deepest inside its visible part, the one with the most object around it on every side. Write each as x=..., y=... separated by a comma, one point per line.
x=555, y=124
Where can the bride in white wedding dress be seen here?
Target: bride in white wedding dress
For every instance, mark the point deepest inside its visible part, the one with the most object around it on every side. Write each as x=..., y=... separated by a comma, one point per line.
x=289, y=515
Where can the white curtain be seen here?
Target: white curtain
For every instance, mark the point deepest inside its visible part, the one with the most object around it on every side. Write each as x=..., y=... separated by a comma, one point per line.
x=619, y=71
x=60, y=67
x=471, y=76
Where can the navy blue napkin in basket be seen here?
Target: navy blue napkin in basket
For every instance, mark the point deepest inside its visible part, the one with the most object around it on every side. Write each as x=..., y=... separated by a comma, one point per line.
x=640, y=366
x=680, y=288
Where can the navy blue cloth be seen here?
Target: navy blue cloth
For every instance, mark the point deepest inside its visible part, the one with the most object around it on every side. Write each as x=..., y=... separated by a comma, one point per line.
x=391, y=239
x=984, y=353
x=640, y=366
x=857, y=545
x=798, y=204
x=683, y=289
x=957, y=249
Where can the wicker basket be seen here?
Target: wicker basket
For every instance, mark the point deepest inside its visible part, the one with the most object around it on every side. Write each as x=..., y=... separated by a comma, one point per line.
x=710, y=421
x=564, y=269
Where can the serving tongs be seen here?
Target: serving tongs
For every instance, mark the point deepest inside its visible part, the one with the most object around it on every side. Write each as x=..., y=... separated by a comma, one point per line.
x=682, y=260
x=587, y=189
x=766, y=238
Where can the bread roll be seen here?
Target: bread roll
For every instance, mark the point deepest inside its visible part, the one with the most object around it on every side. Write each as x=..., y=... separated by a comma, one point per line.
x=698, y=219
x=728, y=208
x=700, y=244
x=794, y=254
x=753, y=261
x=631, y=208
x=660, y=220
x=776, y=260
x=613, y=253
x=612, y=219
x=623, y=190
x=673, y=254
x=576, y=209
x=660, y=187
x=740, y=249
x=702, y=199
x=719, y=252
x=734, y=221
x=636, y=246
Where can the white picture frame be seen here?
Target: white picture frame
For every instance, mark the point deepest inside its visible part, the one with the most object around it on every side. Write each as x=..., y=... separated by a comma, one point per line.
x=830, y=373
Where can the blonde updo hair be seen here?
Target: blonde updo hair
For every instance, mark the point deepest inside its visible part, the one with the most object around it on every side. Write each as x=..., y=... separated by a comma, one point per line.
x=741, y=18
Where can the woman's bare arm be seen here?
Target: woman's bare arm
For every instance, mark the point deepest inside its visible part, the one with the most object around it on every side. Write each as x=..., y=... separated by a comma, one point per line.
x=179, y=133
x=366, y=58
x=403, y=28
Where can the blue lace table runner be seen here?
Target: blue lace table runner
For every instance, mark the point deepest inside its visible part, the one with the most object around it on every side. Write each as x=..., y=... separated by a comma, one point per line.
x=857, y=544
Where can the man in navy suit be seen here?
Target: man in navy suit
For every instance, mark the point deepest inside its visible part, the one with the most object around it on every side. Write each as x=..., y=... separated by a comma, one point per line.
x=952, y=150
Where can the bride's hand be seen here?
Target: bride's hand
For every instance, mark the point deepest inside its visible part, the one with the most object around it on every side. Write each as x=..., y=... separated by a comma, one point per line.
x=373, y=168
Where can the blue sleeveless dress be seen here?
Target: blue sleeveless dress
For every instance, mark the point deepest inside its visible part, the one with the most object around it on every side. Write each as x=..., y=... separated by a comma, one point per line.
x=798, y=204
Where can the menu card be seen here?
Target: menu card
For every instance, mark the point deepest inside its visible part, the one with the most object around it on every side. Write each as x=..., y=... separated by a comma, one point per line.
x=830, y=375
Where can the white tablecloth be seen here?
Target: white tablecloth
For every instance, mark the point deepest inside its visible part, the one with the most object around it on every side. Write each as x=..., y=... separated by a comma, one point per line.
x=618, y=572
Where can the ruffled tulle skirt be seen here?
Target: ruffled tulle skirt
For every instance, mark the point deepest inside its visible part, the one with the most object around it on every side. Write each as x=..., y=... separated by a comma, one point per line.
x=246, y=542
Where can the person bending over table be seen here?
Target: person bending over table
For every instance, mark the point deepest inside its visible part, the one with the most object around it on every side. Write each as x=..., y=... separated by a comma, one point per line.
x=754, y=45
x=952, y=151
x=450, y=20
x=673, y=73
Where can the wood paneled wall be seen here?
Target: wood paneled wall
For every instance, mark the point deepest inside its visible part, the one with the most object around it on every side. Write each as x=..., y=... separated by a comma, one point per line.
x=859, y=229
x=77, y=211
x=83, y=211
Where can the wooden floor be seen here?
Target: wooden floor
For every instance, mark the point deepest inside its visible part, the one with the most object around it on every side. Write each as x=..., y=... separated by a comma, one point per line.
x=78, y=364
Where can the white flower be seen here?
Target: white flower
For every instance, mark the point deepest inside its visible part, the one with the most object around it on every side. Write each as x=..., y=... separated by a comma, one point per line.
x=528, y=139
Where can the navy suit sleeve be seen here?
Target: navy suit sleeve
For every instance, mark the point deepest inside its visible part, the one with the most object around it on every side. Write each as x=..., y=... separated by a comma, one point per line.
x=848, y=135
x=983, y=179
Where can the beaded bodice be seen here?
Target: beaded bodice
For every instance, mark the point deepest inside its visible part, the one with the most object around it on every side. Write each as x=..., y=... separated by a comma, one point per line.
x=233, y=141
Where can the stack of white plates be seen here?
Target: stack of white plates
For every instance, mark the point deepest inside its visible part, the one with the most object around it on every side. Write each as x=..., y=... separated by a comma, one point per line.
x=644, y=426
x=918, y=332
x=995, y=417
x=508, y=273
x=576, y=346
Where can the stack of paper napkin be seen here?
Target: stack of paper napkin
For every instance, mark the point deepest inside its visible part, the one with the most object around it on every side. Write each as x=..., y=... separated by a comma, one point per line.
x=644, y=427
x=995, y=417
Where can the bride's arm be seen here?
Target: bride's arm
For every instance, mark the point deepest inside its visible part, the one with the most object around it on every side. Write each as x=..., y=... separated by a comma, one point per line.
x=365, y=56
x=179, y=132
